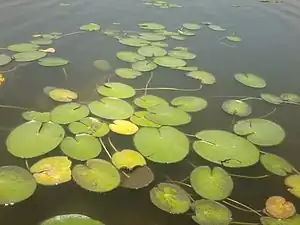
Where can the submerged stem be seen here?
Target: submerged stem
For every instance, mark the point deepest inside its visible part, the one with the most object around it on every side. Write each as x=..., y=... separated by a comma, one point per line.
x=296, y=171
x=249, y=177
x=77, y=32
x=112, y=145
x=228, y=96
x=169, y=89
x=245, y=206
x=66, y=74
x=178, y=182
x=244, y=223
x=103, y=145
x=192, y=164
x=27, y=165
x=14, y=107
x=148, y=82
x=189, y=135
x=250, y=98
x=269, y=113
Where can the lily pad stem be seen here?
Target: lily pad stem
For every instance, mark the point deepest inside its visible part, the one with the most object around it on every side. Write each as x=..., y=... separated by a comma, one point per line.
x=250, y=98
x=169, y=89
x=296, y=171
x=103, y=145
x=112, y=145
x=27, y=165
x=249, y=177
x=14, y=107
x=269, y=113
x=245, y=206
x=66, y=74
x=178, y=182
x=244, y=223
x=148, y=82
x=189, y=135
x=73, y=33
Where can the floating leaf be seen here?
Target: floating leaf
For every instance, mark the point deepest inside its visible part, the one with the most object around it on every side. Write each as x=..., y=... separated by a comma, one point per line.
x=168, y=61
x=117, y=90
x=52, y=170
x=17, y=184
x=260, y=131
x=152, y=51
x=128, y=159
x=204, y=77
x=225, y=148
x=137, y=178
x=233, y=38
x=187, y=68
x=53, y=61
x=133, y=41
x=186, y=32
x=71, y=219
x=103, y=65
x=147, y=101
x=215, y=27
x=250, y=80
x=34, y=138
x=69, y=112
x=127, y=73
x=293, y=184
x=130, y=57
x=182, y=54
x=211, y=213
x=276, y=164
x=212, y=184
x=4, y=59
x=96, y=175
x=42, y=41
x=89, y=125
x=191, y=26
x=60, y=94
x=278, y=207
x=123, y=127
x=290, y=97
x=139, y=119
x=144, y=66
x=23, y=47
x=151, y=26
x=48, y=50
x=295, y=220
x=152, y=37
x=178, y=37
x=28, y=56
x=273, y=99
x=163, y=145
x=159, y=44
x=111, y=108
x=82, y=147
x=237, y=108
x=90, y=27
x=189, y=103
x=37, y=116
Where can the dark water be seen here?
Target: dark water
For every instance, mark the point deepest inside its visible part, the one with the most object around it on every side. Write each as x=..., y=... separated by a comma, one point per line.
x=270, y=47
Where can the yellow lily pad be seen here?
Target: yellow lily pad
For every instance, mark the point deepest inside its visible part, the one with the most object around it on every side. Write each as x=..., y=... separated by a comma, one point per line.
x=278, y=207
x=123, y=127
x=128, y=159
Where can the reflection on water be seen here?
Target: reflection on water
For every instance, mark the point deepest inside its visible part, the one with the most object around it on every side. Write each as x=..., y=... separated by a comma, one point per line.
x=270, y=35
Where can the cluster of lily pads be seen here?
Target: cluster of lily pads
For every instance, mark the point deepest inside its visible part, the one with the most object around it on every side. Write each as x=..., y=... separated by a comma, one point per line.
x=78, y=131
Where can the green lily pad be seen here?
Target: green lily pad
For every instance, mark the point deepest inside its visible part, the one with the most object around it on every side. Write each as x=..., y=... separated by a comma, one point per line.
x=111, y=108
x=133, y=41
x=189, y=103
x=226, y=149
x=82, y=147
x=209, y=212
x=60, y=94
x=17, y=184
x=186, y=32
x=260, y=131
x=28, y=56
x=167, y=115
x=212, y=184
x=165, y=32
x=295, y=220
x=178, y=37
x=237, y=108
x=71, y=219
x=151, y=26
x=34, y=138
x=37, y=116
x=152, y=51
x=144, y=66
x=168, y=61
x=293, y=184
x=52, y=170
x=103, y=65
x=117, y=90
x=290, y=97
x=96, y=175
x=4, y=59
x=127, y=73
x=147, y=101
x=130, y=57
x=250, y=80
x=182, y=54
x=191, y=26
x=170, y=198
x=128, y=159
x=204, y=77
x=273, y=99
x=90, y=27
x=68, y=113
x=187, y=68
x=215, y=27
x=52, y=62
x=42, y=41
x=163, y=145
x=159, y=44
x=137, y=178
x=89, y=125
x=152, y=37
x=233, y=38
x=139, y=118
x=23, y=47
x=275, y=164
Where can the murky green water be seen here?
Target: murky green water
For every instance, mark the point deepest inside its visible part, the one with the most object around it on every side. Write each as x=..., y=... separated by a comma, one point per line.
x=270, y=47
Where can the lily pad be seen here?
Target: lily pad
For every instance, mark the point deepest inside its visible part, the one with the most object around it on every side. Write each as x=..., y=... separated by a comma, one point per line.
x=168, y=61
x=186, y=32
x=170, y=198
x=151, y=26
x=276, y=165
x=123, y=127
x=23, y=47
x=96, y=175
x=216, y=27
x=17, y=184
x=290, y=97
x=53, y=61
x=60, y=94
x=69, y=112
x=130, y=57
x=293, y=184
x=204, y=77
x=29, y=56
x=117, y=90
x=250, y=80
x=4, y=59
x=127, y=73
x=139, y=119
x=163, y=145
x=273, y=99
x=260, y=131
x=211, y=213
x=278, y=207
x=37, y=116
x=34, y=138
x=90, y=27
x=52, y=170
x=152, y=37
x=103, y=65
x=111, y=108
x=42, y=41
x=137, y=178
x=237, y=108
x=144, y=66
x=295, y=220
x=178, y=37
x=189, y=103
x=82, y=147
x=71, y=219
x=233, y=38
x=128, y=159
x=227, y=149
x=187, y=68
x=147, y=101
x=191, y=26
x=159, y=44
x=89, y=125
x=134, y=42
x=152, y=51
x=181, y=54
x=212, y=184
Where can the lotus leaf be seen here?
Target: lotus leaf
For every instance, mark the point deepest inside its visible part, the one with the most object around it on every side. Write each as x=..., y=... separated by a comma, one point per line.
x=127, y=73
x=53, y=61
x=17, y=184
x=211, y=213
x=130, y=57
x=137, y=178
x=96, y=175
x=89, y=125
x=117, y=90
x=29, y=56
x=23, y=47
x=52, y=170
x=162, y=145
x=37, y=116
x=191, y=26
x=225, y=148
x=260, y=131
x=293, y=184
x=128, y=159
x=181, y=54
x=123, y=127
x=111, y=108
x=152, y=37
x=152, y=51
x=276, y=164
x=233, y=38
x=151, y=26
x=139, y=119
x=189, y=103
x=215, y=27
x=170, y=198
x=69, y=112
x=168, y=61
x=178, y=37
x=4, y=59
x=34, y=138
x=204, y=77
x=250, y=80
x=42, y=41
x=71, y=219
x=278, y=207
x=295, y=220
x=60, y=94
x=90, y=27
x=144, y=66
x=273, y=99
x=133, y=41
x=237, y=108
x=290, y=97
x=103, y=65
x=186, y=32
x=147, y=101
x=187, y=68
x=82, y=147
